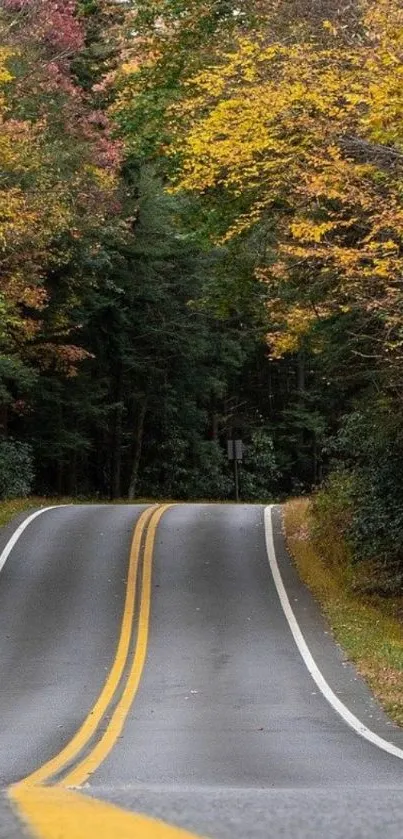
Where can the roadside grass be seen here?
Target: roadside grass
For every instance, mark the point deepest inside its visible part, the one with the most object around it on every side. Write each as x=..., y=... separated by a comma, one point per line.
x=9, y=509
x=367, y=626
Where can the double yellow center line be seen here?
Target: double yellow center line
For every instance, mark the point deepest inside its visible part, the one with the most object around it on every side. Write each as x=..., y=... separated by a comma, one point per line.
x=78, y=770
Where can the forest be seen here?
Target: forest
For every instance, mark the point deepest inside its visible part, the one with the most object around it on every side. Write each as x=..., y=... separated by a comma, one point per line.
x=201, y=239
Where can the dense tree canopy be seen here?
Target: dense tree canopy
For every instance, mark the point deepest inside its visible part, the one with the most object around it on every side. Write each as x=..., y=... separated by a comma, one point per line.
x=59, y=177
x=309, y=135
x=201, y=236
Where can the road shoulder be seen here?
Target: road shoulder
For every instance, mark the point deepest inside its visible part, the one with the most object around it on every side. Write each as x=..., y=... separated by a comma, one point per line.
x=340, y=674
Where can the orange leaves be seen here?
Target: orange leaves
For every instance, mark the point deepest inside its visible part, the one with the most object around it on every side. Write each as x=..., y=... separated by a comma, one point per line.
x=311, y=231
x=63, y=358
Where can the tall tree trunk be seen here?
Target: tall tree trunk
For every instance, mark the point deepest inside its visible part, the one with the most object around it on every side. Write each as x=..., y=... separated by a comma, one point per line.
x=301, y=373
x=301, y=455
x=4, y=420
x=71, y=482
x=138, y=445
x=214, y=426
x=116, y=490
x=59, y=477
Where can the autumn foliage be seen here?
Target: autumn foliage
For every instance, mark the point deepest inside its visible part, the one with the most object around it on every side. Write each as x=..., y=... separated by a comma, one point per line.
x=305, y=127
x=58, y=170
x=201, y=235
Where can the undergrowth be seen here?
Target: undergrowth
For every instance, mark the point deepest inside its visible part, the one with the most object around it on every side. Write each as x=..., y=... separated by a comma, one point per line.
x=367, y=625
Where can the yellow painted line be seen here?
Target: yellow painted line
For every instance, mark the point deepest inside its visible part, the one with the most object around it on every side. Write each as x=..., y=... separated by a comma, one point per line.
x=56, y=813
x=90, y=724
x=97, y=755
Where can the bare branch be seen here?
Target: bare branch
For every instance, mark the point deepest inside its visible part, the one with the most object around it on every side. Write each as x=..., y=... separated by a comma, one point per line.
x=367, y=151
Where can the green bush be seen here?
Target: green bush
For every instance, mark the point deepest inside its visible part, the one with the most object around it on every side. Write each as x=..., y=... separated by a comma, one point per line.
x=331, y=516
x=259, y=472
x=371, y=445
x=359, y=511
x=188, y=469
x=16, y=469
x=195, y=468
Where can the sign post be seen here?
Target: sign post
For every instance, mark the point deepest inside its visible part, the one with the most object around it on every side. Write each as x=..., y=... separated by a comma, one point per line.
x=235, y=453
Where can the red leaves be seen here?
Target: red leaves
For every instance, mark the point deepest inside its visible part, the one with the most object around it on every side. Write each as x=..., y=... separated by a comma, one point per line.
x=54, y=23
x=61, y=357
x=59, y=166
x=16, y=5
x=61, y=28
x=108, y=153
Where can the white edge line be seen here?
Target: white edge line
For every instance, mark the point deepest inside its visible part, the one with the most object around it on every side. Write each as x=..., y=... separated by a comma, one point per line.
x=16, y=535
x=311, y=665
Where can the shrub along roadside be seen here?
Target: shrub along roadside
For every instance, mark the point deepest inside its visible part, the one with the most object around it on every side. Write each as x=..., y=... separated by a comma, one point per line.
x=16, y=469
x=368, y=626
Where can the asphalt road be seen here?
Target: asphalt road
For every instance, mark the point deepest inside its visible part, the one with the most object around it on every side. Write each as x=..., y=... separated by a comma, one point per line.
x=214, y=723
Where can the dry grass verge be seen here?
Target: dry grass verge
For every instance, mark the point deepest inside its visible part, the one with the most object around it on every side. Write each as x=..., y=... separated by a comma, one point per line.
x=368, y=627
x=9, y=509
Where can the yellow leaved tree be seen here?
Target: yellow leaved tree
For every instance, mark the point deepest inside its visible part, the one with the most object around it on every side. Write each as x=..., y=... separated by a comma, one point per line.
x=303, y=129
